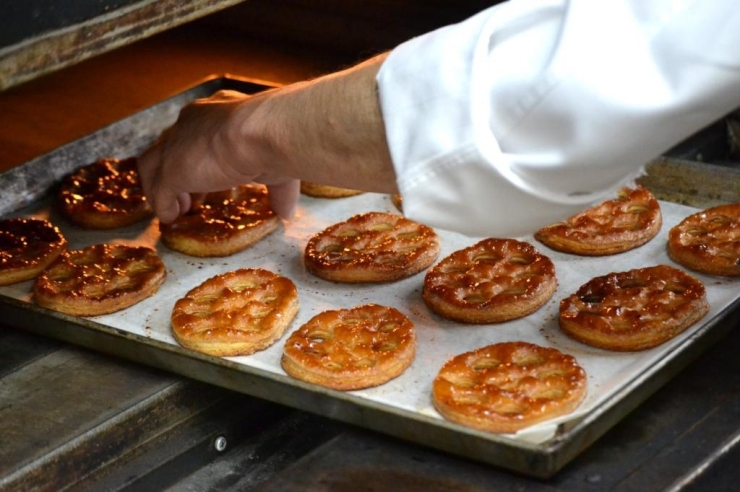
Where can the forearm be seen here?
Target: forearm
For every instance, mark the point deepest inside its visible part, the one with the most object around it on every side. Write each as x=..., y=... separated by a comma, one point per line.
x=328, y=130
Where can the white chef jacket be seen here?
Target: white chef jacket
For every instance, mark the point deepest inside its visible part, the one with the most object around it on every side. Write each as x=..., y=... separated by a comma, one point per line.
x=533, y=110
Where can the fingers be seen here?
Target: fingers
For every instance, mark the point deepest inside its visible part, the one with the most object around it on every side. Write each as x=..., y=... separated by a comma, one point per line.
x=284, y=197
x=166, y=204
x=203, y=153
x=169, y=206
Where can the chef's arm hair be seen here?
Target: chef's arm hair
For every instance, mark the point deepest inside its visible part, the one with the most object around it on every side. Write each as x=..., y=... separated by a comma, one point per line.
x=328, y=130
x=333, y=122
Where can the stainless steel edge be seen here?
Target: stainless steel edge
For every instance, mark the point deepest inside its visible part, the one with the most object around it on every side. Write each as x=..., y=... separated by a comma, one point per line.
x=685, y=182
x=342, y=406
x=541, y=461
x=64, y=46
x=36, y=178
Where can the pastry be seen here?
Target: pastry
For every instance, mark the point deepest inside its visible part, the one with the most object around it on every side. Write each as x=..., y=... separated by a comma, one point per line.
x=371, y=247
x=397, y=200
x=350, y=349
x=223, y=223
x=235, y=313
x=317, y=190
x=27, y=246
x=630, y=220
x=99, y=279
x=506, y=387
x=106, y=194
x=634, y=310
x=708, y=241
x=492, y=281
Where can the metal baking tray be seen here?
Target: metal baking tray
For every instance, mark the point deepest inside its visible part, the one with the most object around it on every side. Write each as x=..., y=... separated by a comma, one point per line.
x=402, y=407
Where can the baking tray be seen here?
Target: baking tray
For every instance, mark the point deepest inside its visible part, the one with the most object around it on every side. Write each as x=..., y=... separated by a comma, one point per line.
x=402, y=407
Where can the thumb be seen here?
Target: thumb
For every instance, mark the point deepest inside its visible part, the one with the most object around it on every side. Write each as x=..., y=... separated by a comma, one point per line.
x=284, y=197
x=168, y=205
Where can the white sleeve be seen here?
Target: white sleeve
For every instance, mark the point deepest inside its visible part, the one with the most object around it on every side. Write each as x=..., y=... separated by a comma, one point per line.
x=534, y=109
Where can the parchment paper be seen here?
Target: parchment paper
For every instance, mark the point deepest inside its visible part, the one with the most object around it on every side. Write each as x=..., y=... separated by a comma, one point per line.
x=438, y=339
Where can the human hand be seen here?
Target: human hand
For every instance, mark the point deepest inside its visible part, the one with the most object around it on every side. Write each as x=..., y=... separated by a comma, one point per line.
x=328, y=130
x=206, y=151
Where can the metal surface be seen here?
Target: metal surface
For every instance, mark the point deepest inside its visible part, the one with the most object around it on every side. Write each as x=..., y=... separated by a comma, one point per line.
x=67, y=415
x=691, y=183
x=683, y=438
x=33, y=181
x=98, y=28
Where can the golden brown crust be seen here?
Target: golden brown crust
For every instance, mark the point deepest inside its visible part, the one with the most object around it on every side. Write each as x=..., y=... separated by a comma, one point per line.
x=223, y=223
x=371, y=247
x=630, y=220
x=317, y=190
x=492, y=281
x=104, y=195
x=708, y=241
x=350, y=349
x=634, y=310
x=397, y=200
x=27, y=246
x=235, y=313
x=99, y=279
x=506, y=387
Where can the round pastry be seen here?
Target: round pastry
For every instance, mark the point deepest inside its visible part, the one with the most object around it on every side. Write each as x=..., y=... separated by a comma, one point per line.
x=397, y=200
x=708, y=241
x=27, y=246
x=634, y=310
x=350, y=349
x=235, y=313
x=99, y=279
x=317, y=190
x=630, y=220
x=223, y=223
x=371, y=247
x=104, y=195
x=506, y=387
x=492, y=281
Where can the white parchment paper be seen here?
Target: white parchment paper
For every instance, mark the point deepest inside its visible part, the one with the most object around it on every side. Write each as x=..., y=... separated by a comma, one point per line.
x=438, y=339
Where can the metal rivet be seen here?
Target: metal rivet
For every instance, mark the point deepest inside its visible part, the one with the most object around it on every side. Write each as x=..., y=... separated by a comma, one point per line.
x=220, y=443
